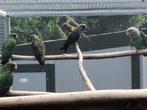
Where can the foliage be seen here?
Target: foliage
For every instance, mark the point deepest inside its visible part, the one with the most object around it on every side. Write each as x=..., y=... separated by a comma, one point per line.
x=48, y=27
x=104, y=24
x=45, y=27
x=138, y=21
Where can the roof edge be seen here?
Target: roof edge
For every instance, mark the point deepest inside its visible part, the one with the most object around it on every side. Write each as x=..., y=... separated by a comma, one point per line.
x=3, y=13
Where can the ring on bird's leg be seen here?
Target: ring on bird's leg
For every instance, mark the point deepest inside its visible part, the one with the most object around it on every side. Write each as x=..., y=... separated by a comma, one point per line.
x=8, y=48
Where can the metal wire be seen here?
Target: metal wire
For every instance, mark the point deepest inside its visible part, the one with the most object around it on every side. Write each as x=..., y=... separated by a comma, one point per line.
x=72, y=7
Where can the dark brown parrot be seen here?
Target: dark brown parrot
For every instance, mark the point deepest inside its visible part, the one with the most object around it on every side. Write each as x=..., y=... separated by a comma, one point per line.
x=74, y=36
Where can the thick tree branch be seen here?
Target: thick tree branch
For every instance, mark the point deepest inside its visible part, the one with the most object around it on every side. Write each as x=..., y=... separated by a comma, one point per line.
x=82, y=70
x=85, y=56
x=102, y=99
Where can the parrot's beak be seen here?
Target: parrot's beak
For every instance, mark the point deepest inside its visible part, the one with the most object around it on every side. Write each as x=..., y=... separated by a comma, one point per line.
x=128, y=32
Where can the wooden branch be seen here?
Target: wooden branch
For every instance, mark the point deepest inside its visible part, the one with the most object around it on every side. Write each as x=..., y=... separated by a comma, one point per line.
x=85, y=56
x=82, y=70
x=25, y=93
x=116, y=99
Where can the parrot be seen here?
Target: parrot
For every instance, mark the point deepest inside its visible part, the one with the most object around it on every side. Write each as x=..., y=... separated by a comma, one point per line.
x=38, y=48
x=6, y=77
x=138, y=39
x=74, y=35
x=8, y=47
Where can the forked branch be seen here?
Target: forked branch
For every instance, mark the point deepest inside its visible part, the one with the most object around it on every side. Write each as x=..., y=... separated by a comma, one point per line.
x=82, y=70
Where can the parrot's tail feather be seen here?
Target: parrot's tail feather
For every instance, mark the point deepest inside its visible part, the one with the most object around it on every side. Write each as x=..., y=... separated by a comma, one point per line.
x=42, y=62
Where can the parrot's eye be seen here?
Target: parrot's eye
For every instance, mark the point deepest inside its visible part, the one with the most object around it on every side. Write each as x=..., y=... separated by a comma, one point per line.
x=84, y=27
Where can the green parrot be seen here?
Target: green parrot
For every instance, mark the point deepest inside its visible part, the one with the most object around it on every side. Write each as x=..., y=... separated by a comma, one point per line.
x=137, y=38
x=38, y=48
x=6, y=77
x=74, y=36
x=8, y=48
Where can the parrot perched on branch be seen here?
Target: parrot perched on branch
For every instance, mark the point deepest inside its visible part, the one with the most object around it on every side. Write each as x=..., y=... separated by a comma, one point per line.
x=137, y=38
x=73, y=37
x=6, y=77
x=8, y=48
x=38, y=48
x=69, y=24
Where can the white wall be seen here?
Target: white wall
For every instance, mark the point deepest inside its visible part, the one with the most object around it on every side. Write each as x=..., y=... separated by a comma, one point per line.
x=105, y=73
x=143, y=69
x=29, y=81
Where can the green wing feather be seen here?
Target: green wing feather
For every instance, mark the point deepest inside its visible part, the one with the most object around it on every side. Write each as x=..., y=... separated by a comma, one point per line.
x=137, y=43
x=8, y=49
x=39, y=50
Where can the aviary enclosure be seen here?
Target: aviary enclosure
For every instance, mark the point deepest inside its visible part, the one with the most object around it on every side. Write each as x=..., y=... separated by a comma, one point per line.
x=56, y=19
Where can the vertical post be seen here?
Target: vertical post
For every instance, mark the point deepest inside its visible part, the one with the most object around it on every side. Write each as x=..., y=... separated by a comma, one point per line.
x=135, y=60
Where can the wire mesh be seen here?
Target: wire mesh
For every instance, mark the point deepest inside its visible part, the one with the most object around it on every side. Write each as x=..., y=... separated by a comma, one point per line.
x=72, y=7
